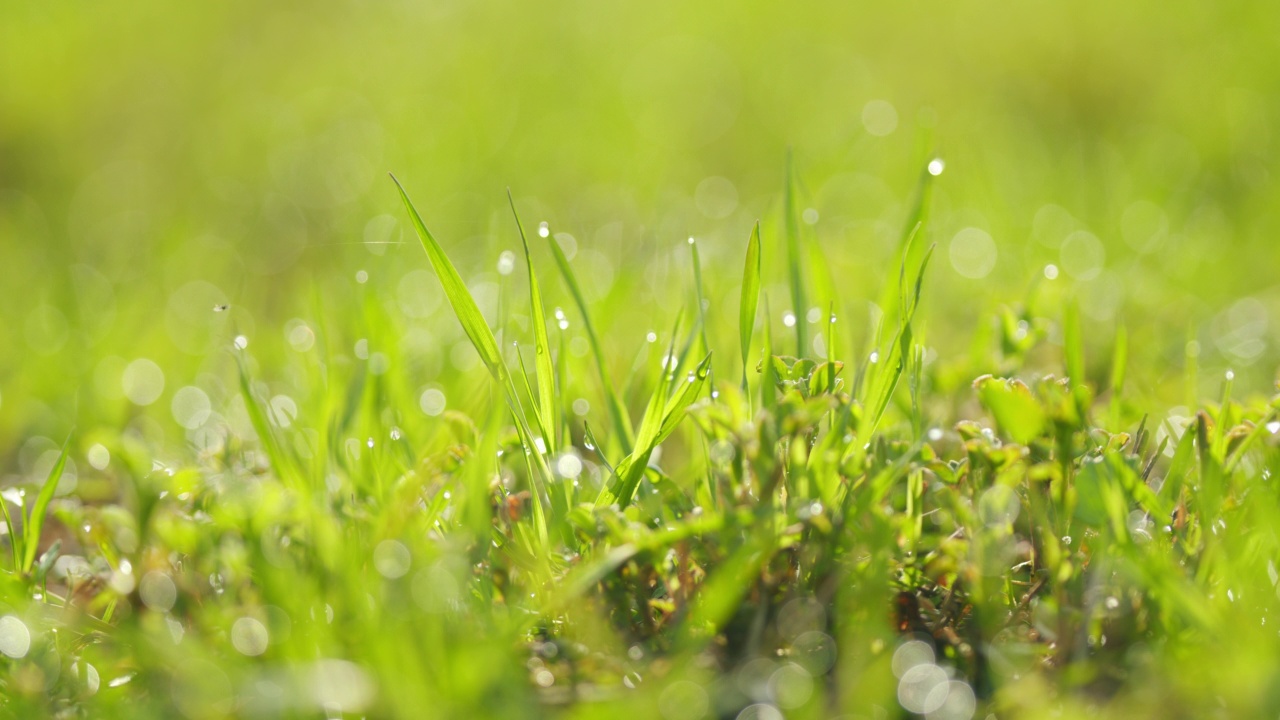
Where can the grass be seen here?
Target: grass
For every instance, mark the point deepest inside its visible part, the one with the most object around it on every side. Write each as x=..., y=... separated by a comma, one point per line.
x=825, y=534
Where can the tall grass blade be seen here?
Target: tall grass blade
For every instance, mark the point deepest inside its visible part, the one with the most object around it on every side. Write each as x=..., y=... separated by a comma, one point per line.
x=617, y=413
x=548, y=408
x=455, y=290
x=702, y=304
x=486, y=345
x=750, y=299
x=35, y=521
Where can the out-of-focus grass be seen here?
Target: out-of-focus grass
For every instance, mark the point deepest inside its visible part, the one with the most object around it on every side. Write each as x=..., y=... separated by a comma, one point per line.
x=292, y=488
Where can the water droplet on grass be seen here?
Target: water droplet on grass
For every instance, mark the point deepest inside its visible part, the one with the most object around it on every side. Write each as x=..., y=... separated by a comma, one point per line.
x=15, y=638
x=99, y=457
x=506, y=262
x=249, y=636
x=936, y=166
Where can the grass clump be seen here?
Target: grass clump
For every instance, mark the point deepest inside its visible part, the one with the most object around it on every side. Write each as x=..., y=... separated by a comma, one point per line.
x=832, y=534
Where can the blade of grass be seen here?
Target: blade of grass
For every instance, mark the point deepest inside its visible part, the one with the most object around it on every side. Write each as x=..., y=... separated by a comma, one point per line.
x=35, y=521
x=455, y=290
x=486, y=345
x=750, y=299
x=15, y=542
x=702, y=305
x=548, y=413
x=617, y=413
x=898, y=353
x=1119, y=362
x=660, y=420
x=916, y=220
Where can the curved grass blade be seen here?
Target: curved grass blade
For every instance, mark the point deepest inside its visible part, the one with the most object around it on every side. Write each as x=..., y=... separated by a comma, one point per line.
x=621, y=425
x=455, y=290
x=660, y=420
x=280, y=462
x=702, y=310
x=750, y=299
x=547, y=408
x=916, y=220
x=486, y=345
x=35, y=521
x=899, y=350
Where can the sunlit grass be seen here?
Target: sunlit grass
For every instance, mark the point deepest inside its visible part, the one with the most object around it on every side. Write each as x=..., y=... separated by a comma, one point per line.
x=839, y=532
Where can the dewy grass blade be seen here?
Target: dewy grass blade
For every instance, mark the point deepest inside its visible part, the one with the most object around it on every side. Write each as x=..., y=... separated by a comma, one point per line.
x=898, y=352
x=35, y=521
x=917, y=219
x=455, y=290
x=702, y=304
x=660, y=421
x=482, y=338
x=750, y=299
x=617, y=413
x=15, y=541
x=547, y=407
x=280, y=463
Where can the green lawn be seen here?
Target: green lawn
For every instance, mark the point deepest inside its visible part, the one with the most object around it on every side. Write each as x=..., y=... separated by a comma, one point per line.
x=820, y=362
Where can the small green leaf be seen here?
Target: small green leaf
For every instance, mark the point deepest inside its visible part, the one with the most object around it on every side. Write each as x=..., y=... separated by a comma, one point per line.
x=547, y=408
x=35, y=521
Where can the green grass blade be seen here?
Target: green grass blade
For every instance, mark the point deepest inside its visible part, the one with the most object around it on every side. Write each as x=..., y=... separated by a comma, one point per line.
x=698, y=295
x=750, y=299
x=15, y=542
x=917, y=219
x=455, y=290
x=617, y=413
x=35, y=521
x=660, y=420
x=528, y=391
x=276, y=457
x=482, y=338
x=899, y=351
x=547, y=407
x=798, y=296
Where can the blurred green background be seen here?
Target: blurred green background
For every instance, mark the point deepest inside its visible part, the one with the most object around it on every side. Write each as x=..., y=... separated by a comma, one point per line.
x=160, y=159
